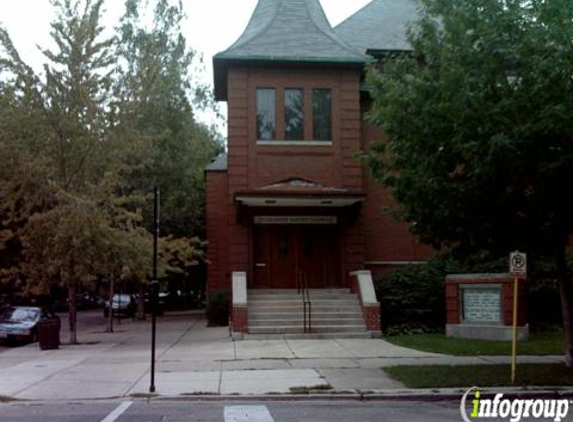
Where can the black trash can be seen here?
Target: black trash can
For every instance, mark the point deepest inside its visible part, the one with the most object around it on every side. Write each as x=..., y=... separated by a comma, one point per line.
x=49, y=334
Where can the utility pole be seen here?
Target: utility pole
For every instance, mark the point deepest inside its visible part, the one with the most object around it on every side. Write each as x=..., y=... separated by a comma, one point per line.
x=154, y=286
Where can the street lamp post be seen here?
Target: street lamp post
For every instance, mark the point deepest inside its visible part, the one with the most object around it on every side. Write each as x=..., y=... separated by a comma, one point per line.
x=154, y=286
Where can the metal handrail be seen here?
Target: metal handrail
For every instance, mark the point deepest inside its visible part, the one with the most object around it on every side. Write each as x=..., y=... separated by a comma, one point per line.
x=308, y=329
x=302, y=286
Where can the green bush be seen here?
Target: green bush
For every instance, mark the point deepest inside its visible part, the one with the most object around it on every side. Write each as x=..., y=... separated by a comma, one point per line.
x=217, y=311
x=412, y=299
x=543, y=297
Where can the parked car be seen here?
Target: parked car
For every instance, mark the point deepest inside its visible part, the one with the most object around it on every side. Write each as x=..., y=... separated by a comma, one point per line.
x=20, y=323
x=122, y=305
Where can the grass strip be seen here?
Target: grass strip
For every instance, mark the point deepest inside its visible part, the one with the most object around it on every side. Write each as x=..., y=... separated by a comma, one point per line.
x=550, y=343
x=466, y=376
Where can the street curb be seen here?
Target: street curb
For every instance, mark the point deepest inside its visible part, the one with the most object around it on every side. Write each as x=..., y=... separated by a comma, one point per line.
x=445, y=395
x=420, y=396
x=263, y=397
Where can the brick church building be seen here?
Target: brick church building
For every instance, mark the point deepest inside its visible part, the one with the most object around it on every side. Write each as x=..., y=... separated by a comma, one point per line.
x=289, y=201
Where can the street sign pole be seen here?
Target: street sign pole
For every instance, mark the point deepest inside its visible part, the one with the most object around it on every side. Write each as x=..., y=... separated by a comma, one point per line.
x=514, y=345
x=154, y=286
x=518, y=269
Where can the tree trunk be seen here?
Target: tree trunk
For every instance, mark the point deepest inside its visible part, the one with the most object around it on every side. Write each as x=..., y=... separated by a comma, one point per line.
x=73, y=315
x=110, y=307
x=141, y=303
x=566, y=302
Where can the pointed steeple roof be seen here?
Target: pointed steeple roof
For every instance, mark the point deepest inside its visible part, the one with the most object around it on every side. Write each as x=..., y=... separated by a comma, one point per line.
x=291, y=29
x=380, y=25
x=286, y=31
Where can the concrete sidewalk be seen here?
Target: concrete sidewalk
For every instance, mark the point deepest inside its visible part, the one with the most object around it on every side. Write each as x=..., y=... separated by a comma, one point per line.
x=195, y=360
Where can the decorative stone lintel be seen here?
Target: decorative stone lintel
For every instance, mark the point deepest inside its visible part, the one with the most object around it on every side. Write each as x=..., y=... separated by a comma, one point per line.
x=483, y=276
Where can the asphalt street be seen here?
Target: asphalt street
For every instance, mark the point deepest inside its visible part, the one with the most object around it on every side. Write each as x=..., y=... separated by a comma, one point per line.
x=191, y=411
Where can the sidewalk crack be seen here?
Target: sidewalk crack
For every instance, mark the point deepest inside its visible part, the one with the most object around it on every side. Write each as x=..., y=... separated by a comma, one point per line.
x=486, y=360
x=176, y=342
x=157, y=358
x=351, y=356
x=220, y=378
x=294, y=356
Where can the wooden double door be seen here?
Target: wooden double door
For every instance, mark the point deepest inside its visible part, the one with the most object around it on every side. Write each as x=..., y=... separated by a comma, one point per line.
x=280, y=252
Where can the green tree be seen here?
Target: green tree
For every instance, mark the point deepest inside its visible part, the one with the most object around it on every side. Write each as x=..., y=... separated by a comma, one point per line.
x=156, y=96
x=82, y=147
x=53, y=140
x=77, y=91
x=23, y=139
x=480, y=136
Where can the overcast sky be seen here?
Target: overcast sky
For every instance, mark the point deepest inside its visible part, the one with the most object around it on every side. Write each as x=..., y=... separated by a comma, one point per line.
x=213, y=25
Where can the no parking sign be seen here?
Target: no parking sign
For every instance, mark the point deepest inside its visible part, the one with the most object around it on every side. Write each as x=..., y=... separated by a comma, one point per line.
x=518, y=264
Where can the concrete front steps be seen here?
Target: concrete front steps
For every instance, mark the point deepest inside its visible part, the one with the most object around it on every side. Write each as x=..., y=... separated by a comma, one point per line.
x=278, y=314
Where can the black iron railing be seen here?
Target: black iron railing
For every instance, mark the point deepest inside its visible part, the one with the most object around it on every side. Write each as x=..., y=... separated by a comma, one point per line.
x=302, y=288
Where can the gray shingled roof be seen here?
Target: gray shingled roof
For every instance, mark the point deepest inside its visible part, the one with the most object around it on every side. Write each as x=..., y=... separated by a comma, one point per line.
x=286, y=31
x=295, y=30
x=380, y=25
x=219, y=164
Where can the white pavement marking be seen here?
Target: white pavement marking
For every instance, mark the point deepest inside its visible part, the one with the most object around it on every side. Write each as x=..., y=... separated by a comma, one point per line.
x=117, y=412
x=247, y=414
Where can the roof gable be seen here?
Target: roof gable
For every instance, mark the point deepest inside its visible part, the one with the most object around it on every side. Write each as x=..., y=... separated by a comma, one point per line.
x=219, y=164
x=380, y=25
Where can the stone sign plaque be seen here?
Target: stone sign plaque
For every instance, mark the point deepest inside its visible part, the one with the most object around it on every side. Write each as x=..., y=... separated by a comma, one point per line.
x=481, y=304
x=298, y=219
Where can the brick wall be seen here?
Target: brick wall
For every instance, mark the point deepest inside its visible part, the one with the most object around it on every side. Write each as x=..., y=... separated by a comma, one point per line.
x=330, y=165
x=353, y=248
x=388, y=239
x=253, y=166
x=350, y=118
x=240, y=320
x=372, y=318
x=238, y=145
x=217, y=231
x=375, y=236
